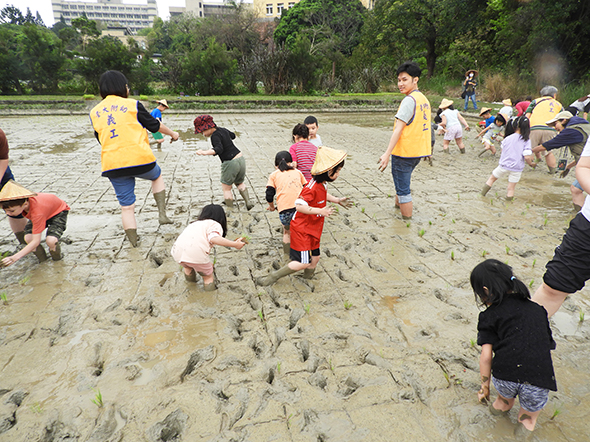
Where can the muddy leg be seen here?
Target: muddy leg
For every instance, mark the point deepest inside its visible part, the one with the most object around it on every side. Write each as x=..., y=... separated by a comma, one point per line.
x=528, y=419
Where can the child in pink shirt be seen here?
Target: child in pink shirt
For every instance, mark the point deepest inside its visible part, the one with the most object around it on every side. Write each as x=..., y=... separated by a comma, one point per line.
x=303, y=152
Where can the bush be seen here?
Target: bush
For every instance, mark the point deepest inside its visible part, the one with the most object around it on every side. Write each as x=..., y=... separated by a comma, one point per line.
x=499, y=86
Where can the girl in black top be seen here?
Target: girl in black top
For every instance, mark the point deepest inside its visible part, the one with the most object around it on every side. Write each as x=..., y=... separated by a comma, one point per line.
x=516, y=330
x=233, y=164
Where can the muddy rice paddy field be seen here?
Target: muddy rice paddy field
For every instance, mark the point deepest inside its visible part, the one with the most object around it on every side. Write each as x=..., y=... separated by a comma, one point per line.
x=379, y=346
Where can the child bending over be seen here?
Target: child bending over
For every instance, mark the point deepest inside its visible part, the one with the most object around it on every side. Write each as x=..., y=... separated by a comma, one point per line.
x=285, y=183
x=191, y=249
x=308, y=221
x=490, y=133
x=516, y=343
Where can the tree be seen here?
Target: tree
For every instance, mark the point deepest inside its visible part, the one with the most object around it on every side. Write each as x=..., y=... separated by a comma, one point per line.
x=12, y=15
x=103, y=54
x=42, y=57
x=11, y=67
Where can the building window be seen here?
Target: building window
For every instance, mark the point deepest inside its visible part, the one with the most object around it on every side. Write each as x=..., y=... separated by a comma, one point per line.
x=280, y=7
x=269, y=9
x=65, y=6
x=291, y=4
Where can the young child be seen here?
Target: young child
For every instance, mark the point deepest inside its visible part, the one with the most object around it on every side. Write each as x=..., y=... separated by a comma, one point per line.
x=303, y=152
x=157, y=114
x=233, y=164
x=312, y=124
x=487, y=116
x=44, y=211
x=516, y=149
x=452, y=121
x=17, y=223
x=308, y=221
x=507, y=108
x=285, y=183
x=516, y=343
x=490, y=133
x=191, y=249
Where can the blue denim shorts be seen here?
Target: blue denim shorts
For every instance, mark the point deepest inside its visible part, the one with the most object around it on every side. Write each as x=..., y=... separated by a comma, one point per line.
x=125, y=186
x=576, y=183
x=531, y=398
x=401, y=169
x=286, y=216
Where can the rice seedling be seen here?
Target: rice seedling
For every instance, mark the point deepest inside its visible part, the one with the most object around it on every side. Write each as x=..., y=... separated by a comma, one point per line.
x=36, y=408
x=4, y=298
x=97, y=398
x=331, y=365
x=246, y=239
x=581, y=315
x=347, y=305
x=408, y=225
x=289, y=421
x=261, y=316
x=278, y=367
x=25, y=280
x=472, y=342
x=363, y=210
x=453, y=255
x=556, y=413
x=507, y=250
x=392, y=249
x=429, y=223
x=534, y=262
x=492, y=201
x=453, y=221
x=531, y=283
x=458, y=197
x=484, y=253
x=421, y=233
x=307, y=307
x=449, y=232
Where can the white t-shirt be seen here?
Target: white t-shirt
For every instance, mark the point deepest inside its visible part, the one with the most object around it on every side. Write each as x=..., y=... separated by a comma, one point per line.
x=194, y=243
x=507, y=110
x=317, y=141
x=452, y=116
x=586, y=206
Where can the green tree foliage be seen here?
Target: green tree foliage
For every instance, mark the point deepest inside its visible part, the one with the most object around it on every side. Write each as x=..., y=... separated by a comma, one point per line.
x=11, y=68
x=12, y=15
x=103, y=54
x=321, y=20
x=42, y=57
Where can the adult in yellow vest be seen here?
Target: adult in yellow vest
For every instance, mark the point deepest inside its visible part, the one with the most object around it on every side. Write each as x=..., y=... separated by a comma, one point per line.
x=120, y=125
x=540, y=111
x=411, y=138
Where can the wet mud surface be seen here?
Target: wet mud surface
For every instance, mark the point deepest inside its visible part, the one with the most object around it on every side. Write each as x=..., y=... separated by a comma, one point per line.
x=378, y=346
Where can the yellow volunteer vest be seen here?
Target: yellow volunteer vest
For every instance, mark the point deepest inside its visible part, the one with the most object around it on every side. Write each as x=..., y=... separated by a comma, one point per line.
x=415, y=139
x=123, y=139
x=546, y=108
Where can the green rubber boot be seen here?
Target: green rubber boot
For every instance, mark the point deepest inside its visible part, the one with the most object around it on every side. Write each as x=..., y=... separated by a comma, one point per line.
x=287, y=248
x=485, y=190
x=229, y=203
x=192, y=277
x=21, y=237
x=246, y=197
x=40, y=253
x=160, y=198
x=55, y=254
x=273, y=277
x=308, y=273
x=211, y=287
x=132, y=236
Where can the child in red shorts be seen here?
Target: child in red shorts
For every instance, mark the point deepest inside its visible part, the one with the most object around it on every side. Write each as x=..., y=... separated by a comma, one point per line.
x=308, y=222
x=44, y=211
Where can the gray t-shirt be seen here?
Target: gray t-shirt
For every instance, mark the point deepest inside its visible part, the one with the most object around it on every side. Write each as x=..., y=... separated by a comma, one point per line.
x=406, y=109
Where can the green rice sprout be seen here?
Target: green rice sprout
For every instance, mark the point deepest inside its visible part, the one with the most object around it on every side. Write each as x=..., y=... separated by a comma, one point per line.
x=453, y=255
x=4, y=298
x=408, y=224
x=449, y=232
x=25, y=280
x=492, y=201
x=534, y=262
x=307, y=307
x=429, y=223
x=347, y=305
x=37, y=408
x=507, y=250
x=556, y=413
x=458, y=197
x=261, y=315
x=581, y=315
x=392, y=249
x=363, y=210
x=331, y=365
x=531, y=283
x=453, y=221
x=278, y=367
x=484, y=253
x=421, y=233
x=97, y=398
x=472, y=342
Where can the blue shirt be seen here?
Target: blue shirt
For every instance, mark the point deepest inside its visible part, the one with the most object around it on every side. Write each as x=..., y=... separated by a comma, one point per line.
x=156, y=113
x=490, y=120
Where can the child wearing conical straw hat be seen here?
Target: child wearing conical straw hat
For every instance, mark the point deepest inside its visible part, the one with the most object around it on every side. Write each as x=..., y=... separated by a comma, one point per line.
x=311, y=210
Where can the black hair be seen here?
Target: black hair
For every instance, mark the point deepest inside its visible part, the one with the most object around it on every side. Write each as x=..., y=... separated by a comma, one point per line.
x=437, y=119
x=528, y=98
x=311, y=120
x=492, y=280
x=500, y=118
x=510, y=128
x=216, y=213
x=572, y=110
x=14, y=203
x=113, y=83
x=327, y=175
x=301, y=130
x=524, y=125
x=411, y=68
x=282, y=159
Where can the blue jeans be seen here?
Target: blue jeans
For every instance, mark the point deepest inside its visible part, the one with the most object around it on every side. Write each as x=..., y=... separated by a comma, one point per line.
x=125, y=186
x=401, y=170
x=472, y=98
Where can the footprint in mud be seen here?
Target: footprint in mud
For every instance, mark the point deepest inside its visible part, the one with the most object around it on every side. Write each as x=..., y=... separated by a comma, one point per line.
x=234, y=270
x=376, y=267
x=256, y=217
x=236, y=223
x=347, y=222
x=257, y=264
x=341, y=276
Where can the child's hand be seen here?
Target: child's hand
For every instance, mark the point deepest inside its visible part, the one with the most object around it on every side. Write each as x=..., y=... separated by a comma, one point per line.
x=383, y=162
x=174, y=137
x=483, y=395
x=326, y=211
x=345, y=202
x=467, y=128
x=200, y=152
x=9, y=260
x=239, y=243
x=271, y=207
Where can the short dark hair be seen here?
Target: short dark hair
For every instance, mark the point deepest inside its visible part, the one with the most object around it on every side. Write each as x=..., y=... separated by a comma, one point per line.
x=301, y=130
x=498, y=279
x=14, y=203
x=501, y=118
x=311, y=120
x=282, y=159
x=216, y=213
x=411, y=68
x=326, y=176
x=113, y=83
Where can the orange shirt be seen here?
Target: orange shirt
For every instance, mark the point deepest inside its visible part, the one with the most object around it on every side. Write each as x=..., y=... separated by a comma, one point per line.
x=41, y=208
x=288, y=185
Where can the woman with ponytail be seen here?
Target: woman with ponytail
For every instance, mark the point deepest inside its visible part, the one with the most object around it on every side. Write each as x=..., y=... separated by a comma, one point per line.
x=285, y=183
x=516, y=342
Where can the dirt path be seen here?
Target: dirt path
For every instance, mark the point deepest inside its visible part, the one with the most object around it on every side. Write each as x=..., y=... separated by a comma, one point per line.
x=377, y=347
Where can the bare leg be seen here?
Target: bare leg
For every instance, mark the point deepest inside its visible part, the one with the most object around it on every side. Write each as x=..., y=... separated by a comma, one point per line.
x=286, y=235
x=406, y=209
x=227, y=195
x=491, y=180
x=128, y=217
x=446, y=146
x=528, y=419
x=460, y=144
x=17, y=224
x=550, y=160
x=549, y=298
x=396, y=201
x=503, y=404
x=208, y=279
x=577, y=196
x=510, y=190
x=158, y=185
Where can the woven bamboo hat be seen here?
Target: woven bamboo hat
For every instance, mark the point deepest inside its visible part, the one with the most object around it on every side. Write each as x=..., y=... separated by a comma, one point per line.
x=326, y=158
x=163, y=102
x=445, y=103
x=484, y=110
x=507, y=102
x=470, y=71
x=14, y=191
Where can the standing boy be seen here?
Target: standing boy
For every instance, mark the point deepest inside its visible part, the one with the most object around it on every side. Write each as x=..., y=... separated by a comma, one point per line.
x=157, y=114
x=44, y=211
x=410, y=140
x=312, y=124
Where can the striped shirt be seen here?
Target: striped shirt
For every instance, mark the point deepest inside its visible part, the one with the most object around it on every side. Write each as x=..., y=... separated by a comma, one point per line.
x=303, y=154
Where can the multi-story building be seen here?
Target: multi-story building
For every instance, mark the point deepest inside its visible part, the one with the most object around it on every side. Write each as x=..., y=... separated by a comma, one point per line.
x=270, y=9
x=111, y=12
x=201, y=8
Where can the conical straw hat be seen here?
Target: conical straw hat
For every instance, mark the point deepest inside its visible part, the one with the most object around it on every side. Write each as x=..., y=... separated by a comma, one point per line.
x=14, y=191
x=507, y=102
x=163, y=102
x=445, y=103
x=326, y=158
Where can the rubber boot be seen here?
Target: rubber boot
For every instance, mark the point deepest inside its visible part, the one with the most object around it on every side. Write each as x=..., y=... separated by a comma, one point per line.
x=509, y=198
x=485, y=190
x=21, y=237
x=132, y=236
x=273, y=277
x=211, y=287
x=40, y=253
x=192, y=277
x=482, y=152
x=160, y=198
x=246, y=197
x=308, y=273
x=287, y=248
x=462, y=149
x=55, y=254
x=552, y=170
x=229, y=203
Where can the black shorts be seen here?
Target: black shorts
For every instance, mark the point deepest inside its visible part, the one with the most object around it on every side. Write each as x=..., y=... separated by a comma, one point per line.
x=303, y=257
x=569, y=269
x=56, y=225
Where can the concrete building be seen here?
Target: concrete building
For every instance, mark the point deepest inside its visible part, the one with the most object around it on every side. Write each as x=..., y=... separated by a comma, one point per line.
x=270, y=9
x=201, y=8
x=110, y=12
